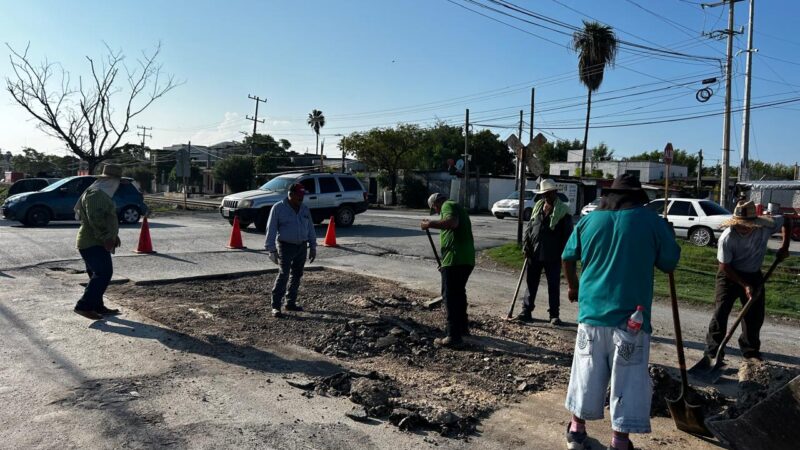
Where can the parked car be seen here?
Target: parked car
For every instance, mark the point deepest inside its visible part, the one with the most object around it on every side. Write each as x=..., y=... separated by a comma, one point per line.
x=591, y=206
x=339, y=195
x=30, y=185
x=509, y=206
x=697, y=220
x=57, y=202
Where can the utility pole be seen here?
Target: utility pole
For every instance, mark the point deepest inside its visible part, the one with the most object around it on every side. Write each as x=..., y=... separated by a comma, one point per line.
x=255, y=120
x=521, y=174
x=700, y=171
x=143, y=134
x=530, y=129
x=520, y=186
x=744, y=161
x=796, y=171
x=726, y=126
x=466, y=161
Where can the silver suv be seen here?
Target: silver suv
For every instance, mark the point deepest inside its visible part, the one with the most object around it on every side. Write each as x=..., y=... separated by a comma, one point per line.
x=327, y=194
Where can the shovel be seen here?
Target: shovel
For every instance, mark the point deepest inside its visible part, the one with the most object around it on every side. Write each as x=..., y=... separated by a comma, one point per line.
x=516, y=292
x=714, y=374
x=433, y=247
x=687, y=417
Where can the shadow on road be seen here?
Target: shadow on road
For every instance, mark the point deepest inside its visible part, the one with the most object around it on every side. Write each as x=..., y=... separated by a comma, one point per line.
x=728, y=350
x=217, y=347
x=367, y=230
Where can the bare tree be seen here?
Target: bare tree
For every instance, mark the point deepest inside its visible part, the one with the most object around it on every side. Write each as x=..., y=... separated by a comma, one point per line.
x=84, y=116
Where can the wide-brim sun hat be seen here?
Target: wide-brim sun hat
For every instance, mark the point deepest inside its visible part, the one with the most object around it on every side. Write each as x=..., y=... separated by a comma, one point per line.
x=629, y=185
x=546, y=185
x=745, y=214
x=111, y=171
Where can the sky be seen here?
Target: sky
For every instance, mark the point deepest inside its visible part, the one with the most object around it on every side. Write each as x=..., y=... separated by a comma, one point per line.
x=368, y=63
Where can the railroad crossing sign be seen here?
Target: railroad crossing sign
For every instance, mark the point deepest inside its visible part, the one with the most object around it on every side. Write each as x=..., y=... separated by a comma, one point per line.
x=668, y=153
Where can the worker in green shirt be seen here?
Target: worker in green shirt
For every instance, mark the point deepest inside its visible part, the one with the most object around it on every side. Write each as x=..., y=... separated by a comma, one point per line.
x=458, y=260
x=98, y=237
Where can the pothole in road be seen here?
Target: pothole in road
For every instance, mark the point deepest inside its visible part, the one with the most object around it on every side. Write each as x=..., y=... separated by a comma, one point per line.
x=382, y=335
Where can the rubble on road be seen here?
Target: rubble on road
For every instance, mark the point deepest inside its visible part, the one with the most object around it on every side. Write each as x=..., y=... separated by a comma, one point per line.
x=667, y=385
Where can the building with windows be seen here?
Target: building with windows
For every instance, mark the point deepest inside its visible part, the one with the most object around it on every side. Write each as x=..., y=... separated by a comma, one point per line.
x=646, y=171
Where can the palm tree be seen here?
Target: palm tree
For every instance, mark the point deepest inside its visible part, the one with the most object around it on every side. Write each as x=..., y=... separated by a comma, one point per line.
x=316, y=120
x=596, y=45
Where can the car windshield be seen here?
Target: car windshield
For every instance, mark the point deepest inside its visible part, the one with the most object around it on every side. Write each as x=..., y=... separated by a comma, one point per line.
x=57, y=184
x=713, y=209
x=279, y=184
x=515, y=195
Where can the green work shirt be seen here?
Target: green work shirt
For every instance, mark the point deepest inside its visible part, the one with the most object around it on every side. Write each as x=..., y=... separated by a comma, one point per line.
x=618, y=251
x=458, y=248
x=99, y=221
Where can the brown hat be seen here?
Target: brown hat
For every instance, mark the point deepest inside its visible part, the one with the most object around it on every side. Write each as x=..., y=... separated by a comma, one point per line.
x=745, y=214
x=111, y=171
x=627, y=184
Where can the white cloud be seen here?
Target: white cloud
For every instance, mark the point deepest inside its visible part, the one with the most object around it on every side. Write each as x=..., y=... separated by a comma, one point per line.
x=228, y=129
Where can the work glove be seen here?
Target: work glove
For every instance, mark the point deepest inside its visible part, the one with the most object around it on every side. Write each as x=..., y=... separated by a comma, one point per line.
x=273, y=256
x=312, y=254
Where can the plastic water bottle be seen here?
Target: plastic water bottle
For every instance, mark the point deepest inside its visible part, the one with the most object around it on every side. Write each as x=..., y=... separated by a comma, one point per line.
x=636, y=320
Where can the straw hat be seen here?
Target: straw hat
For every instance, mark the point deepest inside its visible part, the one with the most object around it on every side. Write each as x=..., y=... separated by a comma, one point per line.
x=745, y=214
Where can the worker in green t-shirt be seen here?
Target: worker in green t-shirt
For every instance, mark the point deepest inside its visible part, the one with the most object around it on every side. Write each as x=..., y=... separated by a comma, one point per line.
x=458, y=260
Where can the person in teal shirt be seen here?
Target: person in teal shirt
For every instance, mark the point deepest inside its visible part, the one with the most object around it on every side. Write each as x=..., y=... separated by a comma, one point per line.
x=619, y=245
x=458, y=260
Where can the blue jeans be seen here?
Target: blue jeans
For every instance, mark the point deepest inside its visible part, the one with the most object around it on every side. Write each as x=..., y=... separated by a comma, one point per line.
x=552, y=271
x=100, y=269
x=292, y=260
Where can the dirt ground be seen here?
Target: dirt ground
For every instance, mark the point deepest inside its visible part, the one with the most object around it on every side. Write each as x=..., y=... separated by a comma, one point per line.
x=383, y=335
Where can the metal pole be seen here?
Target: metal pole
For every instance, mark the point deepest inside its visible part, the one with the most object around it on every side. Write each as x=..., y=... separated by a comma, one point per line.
x=520, y=186
x=530, y=130
x=700, y=172
x=466, y=161
x=744, y=162
x=726, y=132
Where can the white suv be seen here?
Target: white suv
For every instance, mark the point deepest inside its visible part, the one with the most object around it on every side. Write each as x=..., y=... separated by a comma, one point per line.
x=327, y=194
x=695, y=219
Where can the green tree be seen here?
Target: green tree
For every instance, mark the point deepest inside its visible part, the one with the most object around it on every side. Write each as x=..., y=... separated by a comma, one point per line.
x=596, y=45
x=775, y=171
x=195, y=177
x=141, y=174
x=490, y=154
x=285, y=144
x=555, y=151
x=236, y=171
x=387, y=149
x=316, y=120
x=602, y=153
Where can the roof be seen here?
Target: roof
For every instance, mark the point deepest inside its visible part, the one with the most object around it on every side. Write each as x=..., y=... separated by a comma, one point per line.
x=789, y=185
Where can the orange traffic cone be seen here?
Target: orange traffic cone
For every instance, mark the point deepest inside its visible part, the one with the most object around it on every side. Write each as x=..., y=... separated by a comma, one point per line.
x=330, y=236
x=236, y=235
x=145, y=244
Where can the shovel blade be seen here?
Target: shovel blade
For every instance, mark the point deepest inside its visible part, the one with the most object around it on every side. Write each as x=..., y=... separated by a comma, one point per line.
x=688, y=417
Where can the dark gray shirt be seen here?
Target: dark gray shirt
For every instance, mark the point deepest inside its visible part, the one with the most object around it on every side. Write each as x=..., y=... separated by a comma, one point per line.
x=746, y=253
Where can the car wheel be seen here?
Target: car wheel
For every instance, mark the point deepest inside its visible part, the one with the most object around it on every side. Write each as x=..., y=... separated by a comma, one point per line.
x=261, y=220
x=242, y=224
x=526, y=215
x=345, y=216
x=499, y=216
x=317, y=221
x=796, y=233
x=701, y=236
x=37, y=217
x=130, y=215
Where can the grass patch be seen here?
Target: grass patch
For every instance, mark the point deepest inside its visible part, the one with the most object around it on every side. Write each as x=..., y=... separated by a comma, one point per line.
x=695, y=277
x=3, y=192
